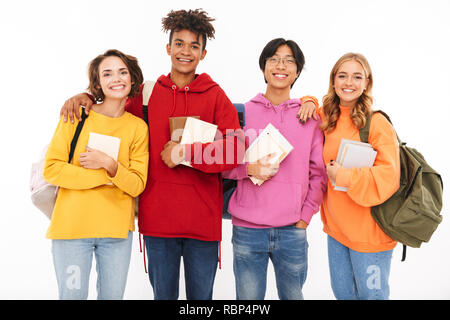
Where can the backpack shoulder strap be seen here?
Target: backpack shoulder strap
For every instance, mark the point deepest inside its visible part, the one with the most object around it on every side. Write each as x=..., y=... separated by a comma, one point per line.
x=77, y=134
x=146, y=94
x=364, y=132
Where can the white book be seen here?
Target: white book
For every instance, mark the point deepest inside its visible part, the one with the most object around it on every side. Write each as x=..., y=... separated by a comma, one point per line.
x=270, y=140
x=196, y=130
x=107, y=144
x=354, y=154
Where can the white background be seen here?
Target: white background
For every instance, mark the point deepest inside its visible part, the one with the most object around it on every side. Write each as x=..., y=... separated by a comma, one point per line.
x=45, y=50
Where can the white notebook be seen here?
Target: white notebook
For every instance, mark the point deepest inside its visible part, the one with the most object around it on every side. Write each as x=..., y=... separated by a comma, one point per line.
x=353, y=154
x=270, y=140
x=107, y=144
x=196, y=130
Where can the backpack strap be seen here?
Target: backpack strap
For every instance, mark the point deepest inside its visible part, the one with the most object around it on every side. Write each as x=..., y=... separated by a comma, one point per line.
x=364, y=132
x=77, y=134
x=146, y=94
x=404, y=252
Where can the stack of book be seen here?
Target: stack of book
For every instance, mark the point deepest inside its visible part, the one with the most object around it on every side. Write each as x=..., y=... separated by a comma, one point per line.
x=188, y=130
x=354, y=154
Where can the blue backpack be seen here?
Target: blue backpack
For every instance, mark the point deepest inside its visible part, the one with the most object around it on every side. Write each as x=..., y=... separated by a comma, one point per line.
x=229, y=185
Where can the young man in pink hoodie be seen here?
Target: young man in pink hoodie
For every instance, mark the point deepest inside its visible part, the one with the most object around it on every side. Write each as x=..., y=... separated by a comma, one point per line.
x=270, y=221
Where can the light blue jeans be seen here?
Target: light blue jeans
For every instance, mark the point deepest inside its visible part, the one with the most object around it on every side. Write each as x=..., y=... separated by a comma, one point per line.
x=358, y=275
x=287, y=247
x=73, y=259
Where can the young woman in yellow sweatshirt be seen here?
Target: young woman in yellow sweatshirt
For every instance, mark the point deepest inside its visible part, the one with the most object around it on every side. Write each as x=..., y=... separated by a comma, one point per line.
x=359, y=251
x=94, y=210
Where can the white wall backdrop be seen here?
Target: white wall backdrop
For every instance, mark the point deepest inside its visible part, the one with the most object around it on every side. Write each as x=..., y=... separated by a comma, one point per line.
x=45, y=49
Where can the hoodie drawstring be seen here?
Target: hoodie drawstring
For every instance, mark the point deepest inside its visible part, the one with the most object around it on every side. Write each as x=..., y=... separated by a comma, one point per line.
x=220, y=255
x=186, y=89
x=174, y=88
x=140, y=248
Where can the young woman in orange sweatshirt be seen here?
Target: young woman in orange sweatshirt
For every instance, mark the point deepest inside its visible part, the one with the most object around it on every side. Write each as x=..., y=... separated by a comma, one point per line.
x=359, y=252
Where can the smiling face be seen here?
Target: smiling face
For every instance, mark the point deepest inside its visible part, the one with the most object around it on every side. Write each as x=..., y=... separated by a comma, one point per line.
x=281, y=69
x=350, y=82
x=185, y=51
x=115, y=79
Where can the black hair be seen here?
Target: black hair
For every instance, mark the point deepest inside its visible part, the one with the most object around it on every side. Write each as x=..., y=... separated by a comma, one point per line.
x=196, y=21
x=271, y=48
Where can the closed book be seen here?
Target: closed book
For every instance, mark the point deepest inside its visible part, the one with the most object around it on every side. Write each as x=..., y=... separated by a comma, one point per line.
x=269, y=141
x=354, y=154
x=106, y=144
x=196, y=130
x=176, y=126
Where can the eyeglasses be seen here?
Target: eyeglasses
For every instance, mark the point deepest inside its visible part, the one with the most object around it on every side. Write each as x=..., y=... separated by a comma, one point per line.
x=355, y=77
x=287, y=61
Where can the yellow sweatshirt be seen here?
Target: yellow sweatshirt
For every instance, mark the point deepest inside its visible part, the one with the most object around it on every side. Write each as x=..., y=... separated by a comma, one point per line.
x=90, y=204
x=346, y=215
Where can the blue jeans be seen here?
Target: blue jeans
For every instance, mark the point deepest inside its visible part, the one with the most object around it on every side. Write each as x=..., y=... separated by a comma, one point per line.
x=73, y=260
x=200, y=260
x=287, y=247
x=358, y=275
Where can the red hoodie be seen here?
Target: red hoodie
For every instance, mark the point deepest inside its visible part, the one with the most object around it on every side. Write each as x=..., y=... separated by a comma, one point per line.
x=186, y=202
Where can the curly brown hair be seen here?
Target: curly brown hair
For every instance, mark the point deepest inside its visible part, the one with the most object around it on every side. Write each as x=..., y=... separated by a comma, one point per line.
x=196, y=21
x=132, y=64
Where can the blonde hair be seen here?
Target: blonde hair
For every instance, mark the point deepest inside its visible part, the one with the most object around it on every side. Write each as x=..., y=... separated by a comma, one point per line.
x=363, y=107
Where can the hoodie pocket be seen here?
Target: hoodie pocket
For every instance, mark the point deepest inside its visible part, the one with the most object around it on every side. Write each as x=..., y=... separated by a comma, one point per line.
x=178, y=210
x=273, y=203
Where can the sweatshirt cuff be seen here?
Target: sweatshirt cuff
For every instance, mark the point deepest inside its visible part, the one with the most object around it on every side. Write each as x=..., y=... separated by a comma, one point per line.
x=242, y=172
x=343, y=177
x=118, y=175
x=305, y=99
x=307, y=214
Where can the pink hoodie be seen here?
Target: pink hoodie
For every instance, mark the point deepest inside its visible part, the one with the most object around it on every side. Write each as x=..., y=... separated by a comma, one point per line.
x=296, y=191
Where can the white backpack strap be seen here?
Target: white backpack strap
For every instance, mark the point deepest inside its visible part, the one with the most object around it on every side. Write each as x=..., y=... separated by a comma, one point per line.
x=147, y=91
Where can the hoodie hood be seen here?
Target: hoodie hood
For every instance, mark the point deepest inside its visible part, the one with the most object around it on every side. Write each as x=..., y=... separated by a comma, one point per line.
x=260, y=99
x=202, y=82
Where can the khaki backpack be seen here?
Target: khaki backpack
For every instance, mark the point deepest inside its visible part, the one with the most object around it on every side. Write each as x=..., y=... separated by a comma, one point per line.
x=412, y=214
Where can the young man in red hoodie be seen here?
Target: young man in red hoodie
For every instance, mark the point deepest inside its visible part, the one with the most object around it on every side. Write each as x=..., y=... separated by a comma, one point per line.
x=180, y=210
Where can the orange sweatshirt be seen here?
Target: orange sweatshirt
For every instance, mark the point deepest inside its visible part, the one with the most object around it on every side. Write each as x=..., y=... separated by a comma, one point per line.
x=346, y=215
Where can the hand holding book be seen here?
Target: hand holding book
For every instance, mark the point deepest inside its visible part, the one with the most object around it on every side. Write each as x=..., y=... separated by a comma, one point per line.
x=102, y=152
x=264, y=168
x=332, y=169
x=270, y=148
x=351, y=154
x=172, y=154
